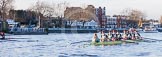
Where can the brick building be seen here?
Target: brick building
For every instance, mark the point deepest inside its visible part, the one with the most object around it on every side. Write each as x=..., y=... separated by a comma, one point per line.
x=78, y=13
x=101, y=15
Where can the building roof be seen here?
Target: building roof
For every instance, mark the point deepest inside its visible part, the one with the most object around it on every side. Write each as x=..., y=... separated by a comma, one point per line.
x=10, y=21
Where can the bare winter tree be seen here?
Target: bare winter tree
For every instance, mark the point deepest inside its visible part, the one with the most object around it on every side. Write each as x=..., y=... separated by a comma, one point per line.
x=60, y=8
x=49, y=10
x=134, y=14
x=5, y=6
x=43, y=8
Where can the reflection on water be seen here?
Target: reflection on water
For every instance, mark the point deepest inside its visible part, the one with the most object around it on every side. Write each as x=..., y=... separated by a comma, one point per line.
x=76, y=45
x=141, y=54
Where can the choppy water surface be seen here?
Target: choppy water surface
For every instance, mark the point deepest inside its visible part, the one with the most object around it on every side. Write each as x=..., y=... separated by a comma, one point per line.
x=75, y=45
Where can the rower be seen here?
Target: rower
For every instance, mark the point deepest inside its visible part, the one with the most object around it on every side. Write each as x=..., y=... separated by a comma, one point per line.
x=118, y=36
x=95, y=38
x=129, y=35
x=133, y=37
x=137, y=35
x=3, y=35
x=113, y=35
x=109, y=36
x=103, y=37
x=124, y=36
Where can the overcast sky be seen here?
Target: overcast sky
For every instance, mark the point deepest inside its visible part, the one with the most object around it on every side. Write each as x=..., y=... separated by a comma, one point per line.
x=152, y=8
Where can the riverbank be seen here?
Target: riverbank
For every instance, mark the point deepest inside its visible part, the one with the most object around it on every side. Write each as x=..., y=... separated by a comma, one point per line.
x=76, y=30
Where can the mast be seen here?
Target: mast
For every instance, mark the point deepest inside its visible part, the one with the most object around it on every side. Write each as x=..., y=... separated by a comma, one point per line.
x=140, y=23
x=39, y=22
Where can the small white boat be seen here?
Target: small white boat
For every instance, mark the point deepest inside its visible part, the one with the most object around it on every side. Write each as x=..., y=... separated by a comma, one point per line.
x=150, y=29
x=139, y=30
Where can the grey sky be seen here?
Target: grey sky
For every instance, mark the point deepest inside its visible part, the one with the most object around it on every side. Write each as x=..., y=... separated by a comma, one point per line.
x=152, y=8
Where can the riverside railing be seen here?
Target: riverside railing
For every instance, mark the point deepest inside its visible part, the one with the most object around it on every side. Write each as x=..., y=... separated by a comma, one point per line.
x=29, y=30
x=71, y=29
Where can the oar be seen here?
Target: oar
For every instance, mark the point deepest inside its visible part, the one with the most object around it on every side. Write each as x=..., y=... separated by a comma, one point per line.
x=150, y=39
x=81, y=41
x=16, y=38
x=153, y=39
x=9, y=38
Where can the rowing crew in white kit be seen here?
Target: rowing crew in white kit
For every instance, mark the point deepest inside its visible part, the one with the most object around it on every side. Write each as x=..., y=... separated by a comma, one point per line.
x=114, y=35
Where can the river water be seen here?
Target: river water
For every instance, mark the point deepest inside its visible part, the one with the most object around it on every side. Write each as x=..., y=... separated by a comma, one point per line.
x=76, y=45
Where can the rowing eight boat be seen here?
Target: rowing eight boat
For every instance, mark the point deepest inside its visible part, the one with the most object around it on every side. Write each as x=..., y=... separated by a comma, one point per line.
x=115, y=42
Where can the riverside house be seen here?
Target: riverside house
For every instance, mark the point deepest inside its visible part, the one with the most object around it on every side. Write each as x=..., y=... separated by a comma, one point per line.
x=91, y=24
x=12, y=24
x=116, y=22
x=76, y=26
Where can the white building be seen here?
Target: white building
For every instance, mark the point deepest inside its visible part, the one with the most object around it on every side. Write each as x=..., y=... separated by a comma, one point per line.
x=92, y=24
x=116, y=22
x=12, y=23
x=111, y=22
x=88, y=24
x=76, y=24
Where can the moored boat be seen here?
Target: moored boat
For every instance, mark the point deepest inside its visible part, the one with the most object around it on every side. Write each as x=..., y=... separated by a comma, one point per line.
x=150, y=29
x=139, y=30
